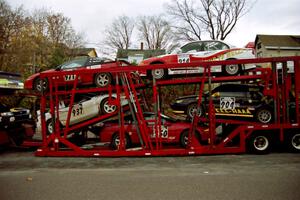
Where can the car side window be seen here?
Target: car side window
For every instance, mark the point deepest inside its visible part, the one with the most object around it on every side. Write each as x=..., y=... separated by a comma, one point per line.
x=216, y=45
x=233, y=94
x=73, y=64
x=193, y=47
x=255, y=96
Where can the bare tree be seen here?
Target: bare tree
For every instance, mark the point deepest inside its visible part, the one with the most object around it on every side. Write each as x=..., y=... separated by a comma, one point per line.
x=215, y=17
x=118, y=34
x=186, y=24
x=155, y=31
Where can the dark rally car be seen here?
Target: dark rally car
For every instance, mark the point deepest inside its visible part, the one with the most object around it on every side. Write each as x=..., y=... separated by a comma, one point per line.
x=234, y=101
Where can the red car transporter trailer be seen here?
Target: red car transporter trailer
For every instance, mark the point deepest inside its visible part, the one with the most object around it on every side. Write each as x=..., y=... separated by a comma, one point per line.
x=281, y=86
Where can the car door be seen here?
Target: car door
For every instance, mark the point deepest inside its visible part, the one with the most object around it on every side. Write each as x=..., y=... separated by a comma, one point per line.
x=229, y=104
x=71, y=67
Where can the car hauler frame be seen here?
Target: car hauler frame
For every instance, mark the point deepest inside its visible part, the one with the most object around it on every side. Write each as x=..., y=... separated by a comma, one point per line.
x=241, y=135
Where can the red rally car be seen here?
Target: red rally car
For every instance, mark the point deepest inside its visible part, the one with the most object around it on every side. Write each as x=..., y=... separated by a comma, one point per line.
x=173, y=131
x=99, y=79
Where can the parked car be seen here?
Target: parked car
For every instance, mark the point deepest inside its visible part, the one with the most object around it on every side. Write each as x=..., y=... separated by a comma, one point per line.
x=173, y=131
x=10, y=80
x=16, y=125
x=233, y=101
x=10, y=116
x=98, y=79
x=201, y=51
x=85, y=107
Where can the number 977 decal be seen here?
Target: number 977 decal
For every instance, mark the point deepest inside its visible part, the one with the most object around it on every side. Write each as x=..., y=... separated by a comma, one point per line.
x=227, y=103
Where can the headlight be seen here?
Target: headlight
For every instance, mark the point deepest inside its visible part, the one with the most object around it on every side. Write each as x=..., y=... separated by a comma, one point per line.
x=179, y=101
x=12, y=119
x=7, y=114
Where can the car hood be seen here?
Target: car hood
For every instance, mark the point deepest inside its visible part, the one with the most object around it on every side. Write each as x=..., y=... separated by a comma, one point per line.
x=187, y=97
x=38, y=74
x=167, y=58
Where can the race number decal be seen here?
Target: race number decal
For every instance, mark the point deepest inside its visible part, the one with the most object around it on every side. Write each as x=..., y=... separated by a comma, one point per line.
x=163, y=134
x=183, y=58
x=227, y=103
x=77, y=110
x=70, y=77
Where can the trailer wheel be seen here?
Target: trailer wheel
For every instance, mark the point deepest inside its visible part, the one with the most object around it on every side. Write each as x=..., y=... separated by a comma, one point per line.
x=107, y=108
x=259, y=144
x=193, y=107
x=115, y=141
x=102, y=79
x=40, y=84
x=294, y=142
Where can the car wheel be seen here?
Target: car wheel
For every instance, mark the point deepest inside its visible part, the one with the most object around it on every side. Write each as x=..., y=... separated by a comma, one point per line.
x=40, y=84
x=231, y=70
x=115, y=141
x=264, y=115
x=107, y=108
x=184, y=139
x=192, y=108
x=49, y=127
x=159, y=73
x=102, y=79
x=259, y=144
x=294, y=142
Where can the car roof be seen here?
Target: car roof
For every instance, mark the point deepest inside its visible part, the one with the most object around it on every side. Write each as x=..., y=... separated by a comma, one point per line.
x=237, y=88
x=205, y=41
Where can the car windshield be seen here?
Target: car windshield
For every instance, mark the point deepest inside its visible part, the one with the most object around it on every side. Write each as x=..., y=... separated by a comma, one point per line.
x=203, y=46
x=73, y=64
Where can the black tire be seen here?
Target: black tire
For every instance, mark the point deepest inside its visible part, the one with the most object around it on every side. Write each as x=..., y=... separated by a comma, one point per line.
x=102, y=79
x=115, y=141
x=106, y=108
x=231, y=70
x=193, y=108
x=159, y=74
x=259, y=144
x=293, y=142
x=184, y=138
x=49, y=127
x=39, y=83
x=264, y=115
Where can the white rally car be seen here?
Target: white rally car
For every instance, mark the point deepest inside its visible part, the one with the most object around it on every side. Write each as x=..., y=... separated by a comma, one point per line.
x=209, y=50
x=88, y=107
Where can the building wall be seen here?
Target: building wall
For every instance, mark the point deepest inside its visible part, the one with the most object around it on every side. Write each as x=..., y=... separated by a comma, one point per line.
x=263, y=52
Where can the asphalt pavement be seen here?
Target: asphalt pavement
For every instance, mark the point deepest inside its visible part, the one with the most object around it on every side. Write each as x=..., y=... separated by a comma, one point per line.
x=273, y=176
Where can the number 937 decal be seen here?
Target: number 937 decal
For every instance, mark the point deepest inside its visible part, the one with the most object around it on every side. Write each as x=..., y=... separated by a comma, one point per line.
x=77, y=110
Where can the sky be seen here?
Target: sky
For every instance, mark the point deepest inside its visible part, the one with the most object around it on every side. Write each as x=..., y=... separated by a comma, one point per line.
x=92, y=16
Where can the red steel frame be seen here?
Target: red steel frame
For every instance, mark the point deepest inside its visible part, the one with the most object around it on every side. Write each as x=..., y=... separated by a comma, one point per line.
x=57, y=144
